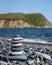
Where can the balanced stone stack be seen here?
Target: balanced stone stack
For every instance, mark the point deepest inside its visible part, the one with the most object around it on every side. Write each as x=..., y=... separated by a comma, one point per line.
x=17, y=52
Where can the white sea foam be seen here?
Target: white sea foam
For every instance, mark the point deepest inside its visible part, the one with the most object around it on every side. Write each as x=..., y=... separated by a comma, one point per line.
x=34, y=40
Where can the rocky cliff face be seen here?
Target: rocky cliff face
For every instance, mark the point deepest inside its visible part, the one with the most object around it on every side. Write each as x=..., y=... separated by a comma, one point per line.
x=13, y=24
x=17, y=24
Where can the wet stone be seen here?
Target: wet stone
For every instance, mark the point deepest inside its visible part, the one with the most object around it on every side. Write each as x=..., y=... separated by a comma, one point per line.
x=35, y=56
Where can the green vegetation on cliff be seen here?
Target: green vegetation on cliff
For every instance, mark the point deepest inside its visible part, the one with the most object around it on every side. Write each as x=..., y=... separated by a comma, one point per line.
x=35, y=19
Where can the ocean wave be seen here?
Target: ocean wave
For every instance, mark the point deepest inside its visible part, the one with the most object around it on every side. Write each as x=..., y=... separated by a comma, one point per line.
x=26, y=40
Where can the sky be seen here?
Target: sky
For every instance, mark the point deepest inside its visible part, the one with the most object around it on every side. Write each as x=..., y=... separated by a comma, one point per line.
x=27, y=6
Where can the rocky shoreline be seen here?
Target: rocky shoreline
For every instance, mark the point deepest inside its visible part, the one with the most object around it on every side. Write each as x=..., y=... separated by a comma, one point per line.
x=36, y=54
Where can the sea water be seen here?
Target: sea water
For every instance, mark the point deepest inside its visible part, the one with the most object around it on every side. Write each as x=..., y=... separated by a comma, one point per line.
x=29, y=33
